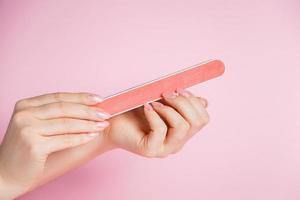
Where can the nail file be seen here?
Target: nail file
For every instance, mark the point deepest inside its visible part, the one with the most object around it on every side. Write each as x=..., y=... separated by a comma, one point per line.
x=152, y=91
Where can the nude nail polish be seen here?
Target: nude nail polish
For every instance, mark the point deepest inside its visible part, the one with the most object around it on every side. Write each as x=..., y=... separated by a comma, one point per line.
x=204, y=102
x=157, y=104
x=102, y=124
x=183, y=92
x=95, y=99
x=147, y=106
x=169, y=95
x=103, y=115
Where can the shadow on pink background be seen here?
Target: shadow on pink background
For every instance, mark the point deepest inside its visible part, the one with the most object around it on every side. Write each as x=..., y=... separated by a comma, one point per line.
x=251, y=148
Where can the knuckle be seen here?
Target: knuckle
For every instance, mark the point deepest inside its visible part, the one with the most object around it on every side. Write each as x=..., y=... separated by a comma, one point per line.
x=20, y=117
x=161, y=129
x=184, y=126
x=198, y=123
x=57, y=96
x=20, y=104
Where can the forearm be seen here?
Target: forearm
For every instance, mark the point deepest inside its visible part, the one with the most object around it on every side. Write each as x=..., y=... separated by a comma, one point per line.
x=57, y=164
x=61, y=162
x=8, y=190
x=5, y=191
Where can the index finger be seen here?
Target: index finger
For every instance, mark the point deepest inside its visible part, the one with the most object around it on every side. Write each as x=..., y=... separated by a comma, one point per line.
x=81, y=98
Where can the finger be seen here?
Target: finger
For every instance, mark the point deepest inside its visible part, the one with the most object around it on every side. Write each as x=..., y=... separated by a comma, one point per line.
x=67, y=125
x=69, y=110
x=154, y=141
x=203, y=101
x=60, y=142
x=199, y=105
x=81, y=98
x=178, y=126
x=189, y=95
x=200, y=108
x=185, y=108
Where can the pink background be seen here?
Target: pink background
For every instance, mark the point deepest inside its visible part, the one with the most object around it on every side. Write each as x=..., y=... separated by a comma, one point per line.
x=250, y=149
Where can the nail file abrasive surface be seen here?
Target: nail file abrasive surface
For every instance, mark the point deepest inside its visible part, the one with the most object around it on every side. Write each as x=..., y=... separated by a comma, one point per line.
x=152, y=90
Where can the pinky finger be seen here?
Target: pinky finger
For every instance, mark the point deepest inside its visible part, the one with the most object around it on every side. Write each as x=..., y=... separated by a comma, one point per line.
x=61, y=142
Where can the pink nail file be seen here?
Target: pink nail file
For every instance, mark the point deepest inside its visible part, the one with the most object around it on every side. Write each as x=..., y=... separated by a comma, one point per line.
x=152, y=90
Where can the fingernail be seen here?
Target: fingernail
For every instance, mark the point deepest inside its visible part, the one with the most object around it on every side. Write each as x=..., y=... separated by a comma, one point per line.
x=183, y=92
x=204, y=102
x=95, y=98
x=92, y=134
x=169, y=95
x=103, y=115
x=147, y=106
x=157, y=104
x=102, y=124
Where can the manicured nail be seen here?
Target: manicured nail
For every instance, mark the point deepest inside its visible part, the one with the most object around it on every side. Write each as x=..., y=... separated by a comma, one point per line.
x=147, y=106
x=103, y=115
x=183, y=92
x=204, y=102
x=169, y=95
x=92, y=134
x=157, y=104
x=95, y=99
x=102, y=124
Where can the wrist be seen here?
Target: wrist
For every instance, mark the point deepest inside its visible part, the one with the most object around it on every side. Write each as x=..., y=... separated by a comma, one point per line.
x=107, y=143
x=9, y=191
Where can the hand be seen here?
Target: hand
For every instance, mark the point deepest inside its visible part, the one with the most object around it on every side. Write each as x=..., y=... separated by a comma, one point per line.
x=40, y=126
x=160, y=129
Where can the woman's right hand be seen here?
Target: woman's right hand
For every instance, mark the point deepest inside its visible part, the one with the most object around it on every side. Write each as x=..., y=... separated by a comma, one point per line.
x=160, y=128
x=40, y=126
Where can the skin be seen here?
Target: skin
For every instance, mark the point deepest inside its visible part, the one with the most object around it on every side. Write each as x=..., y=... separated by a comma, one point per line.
x=51, y=134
